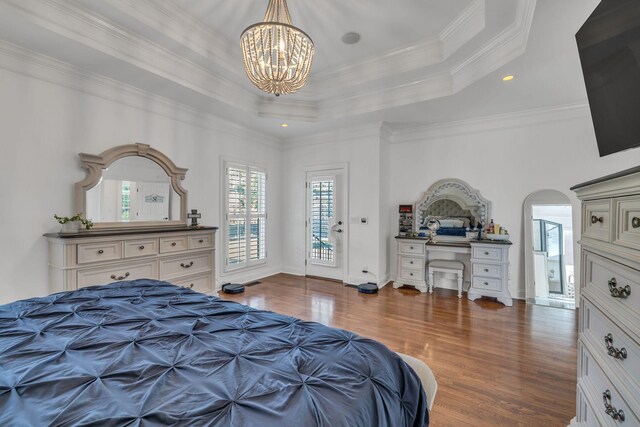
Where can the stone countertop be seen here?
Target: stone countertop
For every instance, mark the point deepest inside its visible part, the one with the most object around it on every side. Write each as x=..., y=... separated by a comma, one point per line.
x=106, y=232
x=428, y=241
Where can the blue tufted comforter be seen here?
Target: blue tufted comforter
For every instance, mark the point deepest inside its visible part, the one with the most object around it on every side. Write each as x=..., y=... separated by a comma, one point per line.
x=150, y=353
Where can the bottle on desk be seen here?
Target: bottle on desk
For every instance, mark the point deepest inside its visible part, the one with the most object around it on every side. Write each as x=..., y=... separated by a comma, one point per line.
x=490, y=228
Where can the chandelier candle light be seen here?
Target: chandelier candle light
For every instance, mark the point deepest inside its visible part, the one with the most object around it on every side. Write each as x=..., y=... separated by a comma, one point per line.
x=277, y=55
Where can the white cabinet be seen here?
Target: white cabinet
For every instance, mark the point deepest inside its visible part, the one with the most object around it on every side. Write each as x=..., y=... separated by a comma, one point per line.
x=183, y=256
x=490, y=271
x=412, y=257
x=608, y=391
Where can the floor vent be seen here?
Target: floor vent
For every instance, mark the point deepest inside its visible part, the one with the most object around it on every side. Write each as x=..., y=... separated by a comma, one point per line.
x=257, y=282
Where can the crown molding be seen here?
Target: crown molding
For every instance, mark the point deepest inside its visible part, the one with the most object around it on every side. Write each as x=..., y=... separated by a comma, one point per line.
x=25, y=62
x=74, y=21
x=420, y=133
x=368, y=132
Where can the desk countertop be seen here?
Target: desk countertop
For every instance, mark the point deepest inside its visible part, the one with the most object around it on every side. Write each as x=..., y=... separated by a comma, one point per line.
x=427, y=241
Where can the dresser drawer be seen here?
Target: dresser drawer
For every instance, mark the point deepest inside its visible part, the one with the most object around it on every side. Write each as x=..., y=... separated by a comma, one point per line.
x=409, y=274
x=611, y=343
x=596, y=220
x=586, y=416
x=99, y=252
x=487, y=270
x=412, y=248
x=202, y=283
x=184, y=265
x=116, y=273
x=600, y=275
x=627, y=229
x=595, y=384
x=174, y=244
x=487, y=253
x=411, y=263
x=136, y=248
x=202, y=241
x=486, y=284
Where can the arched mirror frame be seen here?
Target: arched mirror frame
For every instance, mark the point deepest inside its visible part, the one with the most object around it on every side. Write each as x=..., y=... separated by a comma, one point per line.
x=458, y=191
x=95, y=164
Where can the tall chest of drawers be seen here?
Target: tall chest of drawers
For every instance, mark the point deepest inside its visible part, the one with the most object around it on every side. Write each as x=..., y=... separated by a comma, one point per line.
x=184, y=256
x=608, y=391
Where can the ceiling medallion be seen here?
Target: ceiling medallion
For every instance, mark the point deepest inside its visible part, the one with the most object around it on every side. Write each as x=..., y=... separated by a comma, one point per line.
x=277, y=56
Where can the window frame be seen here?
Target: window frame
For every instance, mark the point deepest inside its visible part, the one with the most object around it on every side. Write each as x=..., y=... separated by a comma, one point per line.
x=248, y=215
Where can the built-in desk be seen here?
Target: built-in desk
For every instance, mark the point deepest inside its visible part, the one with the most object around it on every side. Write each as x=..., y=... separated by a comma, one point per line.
x=486, y=264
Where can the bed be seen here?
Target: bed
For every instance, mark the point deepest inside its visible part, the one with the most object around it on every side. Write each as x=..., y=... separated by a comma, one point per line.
x=150, y=353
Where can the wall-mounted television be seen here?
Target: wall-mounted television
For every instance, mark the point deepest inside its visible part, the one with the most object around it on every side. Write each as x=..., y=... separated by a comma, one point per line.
x=609, y=46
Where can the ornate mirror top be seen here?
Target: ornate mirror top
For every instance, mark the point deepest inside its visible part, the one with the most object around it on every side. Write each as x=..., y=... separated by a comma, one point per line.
x=130, y=186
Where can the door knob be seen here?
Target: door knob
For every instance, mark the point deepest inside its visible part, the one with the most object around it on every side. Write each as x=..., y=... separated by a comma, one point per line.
x=339, y=230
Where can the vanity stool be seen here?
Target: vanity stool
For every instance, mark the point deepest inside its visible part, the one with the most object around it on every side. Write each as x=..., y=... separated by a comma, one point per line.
x=443, y=266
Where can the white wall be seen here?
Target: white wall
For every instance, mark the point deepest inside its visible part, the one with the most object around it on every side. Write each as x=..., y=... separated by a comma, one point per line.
x=360, y=149
x=44, y=126
x=506, y=162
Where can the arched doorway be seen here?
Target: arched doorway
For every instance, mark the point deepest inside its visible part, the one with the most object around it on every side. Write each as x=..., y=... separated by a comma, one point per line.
x=549, y=261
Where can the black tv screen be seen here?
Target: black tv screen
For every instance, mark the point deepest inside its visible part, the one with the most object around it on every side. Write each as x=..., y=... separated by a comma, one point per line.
x=609, y=46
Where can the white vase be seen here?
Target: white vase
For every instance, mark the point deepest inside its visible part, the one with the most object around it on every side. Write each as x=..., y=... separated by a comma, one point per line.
x=70, y=227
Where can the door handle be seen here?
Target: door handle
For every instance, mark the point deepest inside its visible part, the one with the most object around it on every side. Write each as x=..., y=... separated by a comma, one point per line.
x=339, y=230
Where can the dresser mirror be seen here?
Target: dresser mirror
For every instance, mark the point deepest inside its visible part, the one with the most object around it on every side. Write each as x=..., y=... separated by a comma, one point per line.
x=456, y=206
x=131, y=186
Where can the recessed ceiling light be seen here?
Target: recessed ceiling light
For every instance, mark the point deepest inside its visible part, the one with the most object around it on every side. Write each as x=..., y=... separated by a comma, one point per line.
x=351, y=38
x=507, y=78
x=285, y=125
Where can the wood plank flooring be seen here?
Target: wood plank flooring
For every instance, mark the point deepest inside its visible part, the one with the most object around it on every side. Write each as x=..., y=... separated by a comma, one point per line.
x=495, y=365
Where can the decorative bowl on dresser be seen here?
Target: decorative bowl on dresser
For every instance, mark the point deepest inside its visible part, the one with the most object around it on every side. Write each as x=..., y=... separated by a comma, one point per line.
x=608, y=391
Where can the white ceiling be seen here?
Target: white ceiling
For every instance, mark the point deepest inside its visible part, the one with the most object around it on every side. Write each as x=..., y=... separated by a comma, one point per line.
x=419, y=61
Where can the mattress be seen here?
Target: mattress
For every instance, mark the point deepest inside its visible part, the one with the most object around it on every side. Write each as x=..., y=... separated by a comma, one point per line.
x=151, y=353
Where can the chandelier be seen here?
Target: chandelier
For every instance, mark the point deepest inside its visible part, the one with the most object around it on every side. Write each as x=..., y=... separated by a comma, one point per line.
x=277, y=56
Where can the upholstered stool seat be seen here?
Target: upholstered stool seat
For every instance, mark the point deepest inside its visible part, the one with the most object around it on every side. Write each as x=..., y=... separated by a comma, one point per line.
x=445, y=266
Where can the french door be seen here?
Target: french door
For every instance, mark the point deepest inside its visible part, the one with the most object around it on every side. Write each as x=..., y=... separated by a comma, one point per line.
x=548, y=238
x=325, y=224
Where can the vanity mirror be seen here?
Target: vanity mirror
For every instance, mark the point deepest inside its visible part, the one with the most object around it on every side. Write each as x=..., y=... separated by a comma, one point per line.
x=131, y=186
x=455, y=204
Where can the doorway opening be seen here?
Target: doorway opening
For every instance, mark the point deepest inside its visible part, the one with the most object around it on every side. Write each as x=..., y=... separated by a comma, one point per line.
x=549, y=258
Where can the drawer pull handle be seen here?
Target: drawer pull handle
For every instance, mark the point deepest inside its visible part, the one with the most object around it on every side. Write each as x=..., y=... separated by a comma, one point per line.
x=173, y=243
x=114, y=277
x=100, y=252
x=141, y=247
x=201, y=240
x=183, y=265
x=486, y=270
x=596, y=219
x=612, y=351
x=486, y=253
x=191, y=286
x=617, y=292
x=411, y=247
x=635, y=222
x=486, y=283
x=411, y=262
x=610, y=409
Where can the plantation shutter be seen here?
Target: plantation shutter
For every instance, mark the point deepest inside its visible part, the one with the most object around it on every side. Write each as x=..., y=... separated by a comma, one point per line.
x=246, y=216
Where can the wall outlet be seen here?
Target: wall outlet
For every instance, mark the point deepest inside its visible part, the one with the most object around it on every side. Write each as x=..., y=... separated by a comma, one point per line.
x=365, y=269
x=364, y=220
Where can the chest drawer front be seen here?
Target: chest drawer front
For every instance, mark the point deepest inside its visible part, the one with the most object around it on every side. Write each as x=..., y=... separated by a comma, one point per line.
x=596, y=220
x=412, y=263
x=412, y=248
x=203, y=241
x=486, y=284
x=487, y=270
x=409, y=274
x=136, y=248
x=202, y=283
x=116, y=273
x=596, y=383
x=603, y=278
x=627, y=230
x=185, y=265
x=611, y=343
x=99, y=252
x=174, y=244
x=487, y=253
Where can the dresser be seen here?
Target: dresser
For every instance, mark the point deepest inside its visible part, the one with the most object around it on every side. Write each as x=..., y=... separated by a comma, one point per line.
x=411, y=261
x=490, y=271
x=184, y=256
x=608, y=390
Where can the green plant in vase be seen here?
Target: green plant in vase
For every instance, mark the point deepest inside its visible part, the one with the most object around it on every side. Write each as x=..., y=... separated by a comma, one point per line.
x=71, y=224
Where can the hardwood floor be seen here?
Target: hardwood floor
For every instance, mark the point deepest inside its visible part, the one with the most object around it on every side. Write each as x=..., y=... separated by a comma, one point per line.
x=495, y=365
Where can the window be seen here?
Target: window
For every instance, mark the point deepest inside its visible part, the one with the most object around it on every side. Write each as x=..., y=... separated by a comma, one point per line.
x=246, y=216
